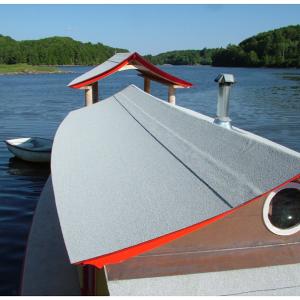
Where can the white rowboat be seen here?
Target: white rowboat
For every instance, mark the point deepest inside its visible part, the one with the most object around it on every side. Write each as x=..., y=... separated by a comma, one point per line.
x=33, y=149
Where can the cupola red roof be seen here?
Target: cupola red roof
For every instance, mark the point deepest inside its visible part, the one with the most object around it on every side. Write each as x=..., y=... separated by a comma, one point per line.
x=124, y=61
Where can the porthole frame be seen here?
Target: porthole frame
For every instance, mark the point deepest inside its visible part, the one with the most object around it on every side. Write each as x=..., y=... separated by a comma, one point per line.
x=269, y=225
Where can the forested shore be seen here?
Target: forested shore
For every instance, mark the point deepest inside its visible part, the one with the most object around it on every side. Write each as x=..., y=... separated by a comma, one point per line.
x=53, y=51
x=275, y=48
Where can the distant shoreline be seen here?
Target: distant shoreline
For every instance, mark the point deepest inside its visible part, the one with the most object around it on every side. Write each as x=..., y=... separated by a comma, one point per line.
x=25, y=69
x=33, y=73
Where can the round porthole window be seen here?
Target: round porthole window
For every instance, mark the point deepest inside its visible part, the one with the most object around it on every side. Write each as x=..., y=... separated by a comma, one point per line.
x=281, y=210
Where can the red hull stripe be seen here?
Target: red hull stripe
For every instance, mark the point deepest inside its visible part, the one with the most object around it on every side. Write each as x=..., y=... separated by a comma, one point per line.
x=135, y=56
x=124, y=254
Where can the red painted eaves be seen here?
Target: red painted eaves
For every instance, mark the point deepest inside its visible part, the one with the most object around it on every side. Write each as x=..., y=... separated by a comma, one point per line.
x=102, y=75
x=135, y=57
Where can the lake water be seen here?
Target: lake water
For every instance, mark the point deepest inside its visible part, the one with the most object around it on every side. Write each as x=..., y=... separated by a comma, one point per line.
x=264, y=101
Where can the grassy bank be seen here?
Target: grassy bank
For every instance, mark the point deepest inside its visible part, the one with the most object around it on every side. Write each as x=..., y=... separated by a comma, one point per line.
x=27, y=69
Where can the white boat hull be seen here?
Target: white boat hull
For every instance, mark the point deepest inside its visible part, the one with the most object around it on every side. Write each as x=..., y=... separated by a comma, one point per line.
x=23, y=149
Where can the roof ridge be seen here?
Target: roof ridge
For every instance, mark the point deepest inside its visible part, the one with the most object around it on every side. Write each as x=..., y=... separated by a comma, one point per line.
x=170, y=151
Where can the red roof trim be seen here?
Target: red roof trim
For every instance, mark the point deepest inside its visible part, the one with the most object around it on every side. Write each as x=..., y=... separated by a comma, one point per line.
x=135, y=56
x=124, y=254
x=167, y=76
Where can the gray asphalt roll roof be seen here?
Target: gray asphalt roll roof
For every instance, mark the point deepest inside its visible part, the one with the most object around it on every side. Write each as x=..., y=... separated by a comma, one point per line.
x=132, y=168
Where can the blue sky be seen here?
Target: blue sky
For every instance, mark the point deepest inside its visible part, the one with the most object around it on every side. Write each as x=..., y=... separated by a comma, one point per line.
x=146, y=28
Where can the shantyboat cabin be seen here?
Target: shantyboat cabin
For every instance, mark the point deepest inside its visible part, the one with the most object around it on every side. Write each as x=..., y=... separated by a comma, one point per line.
x=149, y=198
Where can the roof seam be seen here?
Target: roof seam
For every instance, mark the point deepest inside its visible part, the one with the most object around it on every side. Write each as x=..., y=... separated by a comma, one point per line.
x=174, y=155
x=217, y=163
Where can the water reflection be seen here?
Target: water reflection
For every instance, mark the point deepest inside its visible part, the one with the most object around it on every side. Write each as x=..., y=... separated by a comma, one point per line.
x=289, y=76
x=20, y=186
x=20, y=167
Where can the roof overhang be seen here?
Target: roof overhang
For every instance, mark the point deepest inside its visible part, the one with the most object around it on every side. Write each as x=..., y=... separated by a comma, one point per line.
x=125, y=61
